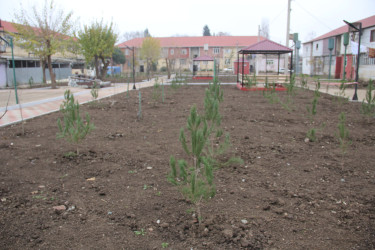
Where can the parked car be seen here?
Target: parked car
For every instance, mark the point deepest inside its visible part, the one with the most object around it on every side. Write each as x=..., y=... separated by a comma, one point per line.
x=227, y=70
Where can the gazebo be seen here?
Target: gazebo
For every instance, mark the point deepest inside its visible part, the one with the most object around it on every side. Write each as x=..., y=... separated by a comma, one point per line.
x=202, y=74
x=265, y=47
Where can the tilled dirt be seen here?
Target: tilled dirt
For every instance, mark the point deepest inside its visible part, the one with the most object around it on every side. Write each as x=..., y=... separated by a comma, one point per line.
x=290, y=193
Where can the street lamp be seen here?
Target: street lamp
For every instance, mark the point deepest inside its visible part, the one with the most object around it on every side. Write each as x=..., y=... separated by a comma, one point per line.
x=359, y=29
x=132, y=49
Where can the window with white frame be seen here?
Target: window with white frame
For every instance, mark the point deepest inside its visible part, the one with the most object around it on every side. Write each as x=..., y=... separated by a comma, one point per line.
x=182, y=61
x=205, y=62
x=183, y=51
x=269, y=62
x=216, y=50
x=172, y=51
x=228, y=51
x=127, y=52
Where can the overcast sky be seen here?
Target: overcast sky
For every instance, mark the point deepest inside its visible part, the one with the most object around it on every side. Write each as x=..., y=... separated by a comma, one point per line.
x=165, y=18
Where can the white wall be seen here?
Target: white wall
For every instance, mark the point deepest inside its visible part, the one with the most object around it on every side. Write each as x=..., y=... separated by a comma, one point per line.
x=317, y=49
x=306, y=58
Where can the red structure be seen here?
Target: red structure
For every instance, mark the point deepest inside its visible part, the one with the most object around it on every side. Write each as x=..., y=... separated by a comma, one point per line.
x=238, y=67
x=265, y=47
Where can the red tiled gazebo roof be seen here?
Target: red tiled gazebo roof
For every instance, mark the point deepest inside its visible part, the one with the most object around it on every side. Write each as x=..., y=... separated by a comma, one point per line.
x=266, y=47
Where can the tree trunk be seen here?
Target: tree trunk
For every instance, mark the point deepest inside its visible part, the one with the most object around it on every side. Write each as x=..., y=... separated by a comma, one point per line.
x=148, y=69
x=168, y=68
x=96, y=62
x=105, y=67
x=52, y=75
x=43, y=62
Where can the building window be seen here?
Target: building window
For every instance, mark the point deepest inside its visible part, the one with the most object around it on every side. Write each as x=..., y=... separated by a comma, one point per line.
x=126, y=52
x=317, y=46
x=172, y=52
x=183, y=51
x=182, y=61
x=269, y=62
x=216, y=50
x=227, y=61
x=205, y=62
x=372, y=36
x=227, y=51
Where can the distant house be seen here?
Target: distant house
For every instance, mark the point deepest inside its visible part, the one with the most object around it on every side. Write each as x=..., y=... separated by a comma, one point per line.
x=27, y=66
x=181, y=51
x=316, y=53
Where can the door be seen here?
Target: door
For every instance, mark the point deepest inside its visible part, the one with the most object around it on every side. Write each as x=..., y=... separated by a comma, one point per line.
x=339, y=66
x=3, y=75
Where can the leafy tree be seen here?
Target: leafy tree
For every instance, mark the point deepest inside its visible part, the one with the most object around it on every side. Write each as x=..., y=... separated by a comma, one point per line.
x=98, y=43
x=206, y=31
x=43, y=33
x=150, y=51
x=118, y=56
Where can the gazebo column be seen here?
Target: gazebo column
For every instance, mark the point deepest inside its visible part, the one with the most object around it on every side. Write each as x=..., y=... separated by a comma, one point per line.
x=243, y=66
x=238, y=66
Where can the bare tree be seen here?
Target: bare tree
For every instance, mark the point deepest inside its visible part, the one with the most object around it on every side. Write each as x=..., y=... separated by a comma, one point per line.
x=132, y=34
x=170, y=56
x=220, y=33
x=265, y=28
x=310, y=36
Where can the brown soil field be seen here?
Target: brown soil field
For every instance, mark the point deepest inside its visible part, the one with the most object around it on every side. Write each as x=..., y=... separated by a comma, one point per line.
x=290, y=193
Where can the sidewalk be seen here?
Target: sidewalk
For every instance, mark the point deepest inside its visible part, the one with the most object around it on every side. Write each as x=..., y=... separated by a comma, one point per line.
x=334, y=89
x=33, y=102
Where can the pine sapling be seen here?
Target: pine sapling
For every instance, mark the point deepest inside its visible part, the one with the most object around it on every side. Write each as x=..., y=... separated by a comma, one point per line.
x=368, y=105
x=343, y=133
x=73, y=128
x=215, y=146
x=195, y=176
x=95, y=91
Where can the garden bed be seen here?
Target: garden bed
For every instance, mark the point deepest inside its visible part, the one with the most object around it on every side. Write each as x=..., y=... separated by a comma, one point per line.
x=289, y=193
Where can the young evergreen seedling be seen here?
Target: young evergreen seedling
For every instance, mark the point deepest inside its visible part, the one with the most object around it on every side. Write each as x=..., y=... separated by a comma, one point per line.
x=216, y=144
x=139, y=114
x=95, y=91
x=195, y=176
x=368, y=105
x=74, y=129
x=343, y=133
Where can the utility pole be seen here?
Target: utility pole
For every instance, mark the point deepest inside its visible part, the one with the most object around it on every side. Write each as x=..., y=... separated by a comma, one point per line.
x=287, y=38
x=257, y=55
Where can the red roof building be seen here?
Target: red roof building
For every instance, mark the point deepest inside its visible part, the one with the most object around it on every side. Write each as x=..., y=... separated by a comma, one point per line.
x=182, y=50
x=316, y=52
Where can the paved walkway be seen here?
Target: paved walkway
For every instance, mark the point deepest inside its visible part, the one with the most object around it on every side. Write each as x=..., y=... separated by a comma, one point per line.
x=34, y=102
